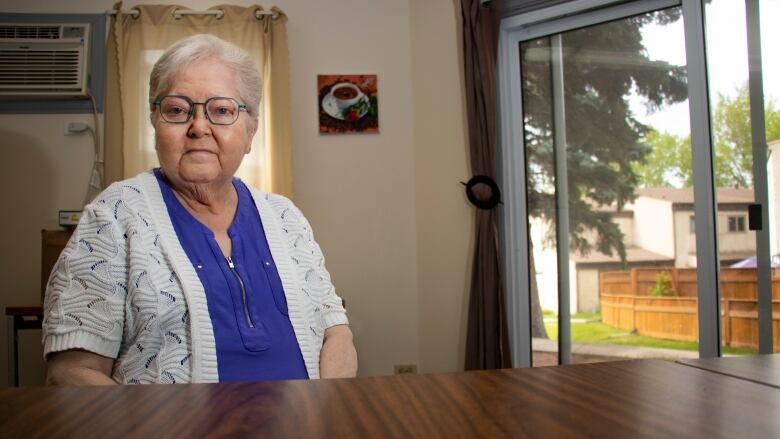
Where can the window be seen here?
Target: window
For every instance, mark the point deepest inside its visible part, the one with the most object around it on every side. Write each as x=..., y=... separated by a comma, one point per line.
x=692, y=225
x=736, y=224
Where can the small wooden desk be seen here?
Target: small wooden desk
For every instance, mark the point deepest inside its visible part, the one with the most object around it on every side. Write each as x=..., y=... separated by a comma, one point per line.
x=19, y=318
x=763, y=369
x=31, y=317
x=631, y=399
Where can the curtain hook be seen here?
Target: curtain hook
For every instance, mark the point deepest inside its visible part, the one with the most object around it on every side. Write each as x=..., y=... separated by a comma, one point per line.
x=261, y=14
x=175, y=14
x=481, y=203
x=220, y=14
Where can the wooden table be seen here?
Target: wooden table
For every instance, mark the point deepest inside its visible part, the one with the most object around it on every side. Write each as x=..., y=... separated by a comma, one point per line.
x=763, y=369
x=642, y=398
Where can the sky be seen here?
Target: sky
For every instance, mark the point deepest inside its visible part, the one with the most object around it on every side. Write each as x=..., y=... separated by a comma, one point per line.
x=726, y=57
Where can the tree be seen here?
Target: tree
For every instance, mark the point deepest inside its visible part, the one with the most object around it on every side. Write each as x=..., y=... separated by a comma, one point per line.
x=602, y=65
x=669, y=161
x=734, y=139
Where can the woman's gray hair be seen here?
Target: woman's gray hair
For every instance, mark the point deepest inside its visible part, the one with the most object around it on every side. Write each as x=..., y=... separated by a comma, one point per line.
x=200, y=47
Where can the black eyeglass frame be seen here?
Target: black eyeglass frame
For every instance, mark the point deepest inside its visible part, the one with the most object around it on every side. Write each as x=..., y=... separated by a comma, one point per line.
x=191, y=114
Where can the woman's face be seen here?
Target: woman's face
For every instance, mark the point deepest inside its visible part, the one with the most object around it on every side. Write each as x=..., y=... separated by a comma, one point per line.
x=198, y=152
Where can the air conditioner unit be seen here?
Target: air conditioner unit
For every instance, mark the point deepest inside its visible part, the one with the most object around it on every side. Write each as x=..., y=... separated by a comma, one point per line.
x=44, y=60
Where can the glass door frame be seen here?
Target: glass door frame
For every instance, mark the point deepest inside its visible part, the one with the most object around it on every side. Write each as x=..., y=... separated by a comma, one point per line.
x=760, y=177
x=513, y=224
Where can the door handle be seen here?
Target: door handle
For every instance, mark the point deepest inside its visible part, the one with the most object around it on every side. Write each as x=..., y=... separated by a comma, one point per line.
x=754, y=217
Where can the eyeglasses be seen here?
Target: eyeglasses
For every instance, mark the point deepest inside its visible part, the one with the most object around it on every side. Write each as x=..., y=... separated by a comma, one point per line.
x=218, y=110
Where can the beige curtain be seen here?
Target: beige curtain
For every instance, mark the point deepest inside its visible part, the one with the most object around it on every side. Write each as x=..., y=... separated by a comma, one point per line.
x=135, y=44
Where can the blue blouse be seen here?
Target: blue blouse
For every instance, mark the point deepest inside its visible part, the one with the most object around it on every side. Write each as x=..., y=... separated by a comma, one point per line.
x=254, y=337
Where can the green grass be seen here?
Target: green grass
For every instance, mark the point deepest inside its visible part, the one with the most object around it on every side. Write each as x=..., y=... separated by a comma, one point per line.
x=597, y=332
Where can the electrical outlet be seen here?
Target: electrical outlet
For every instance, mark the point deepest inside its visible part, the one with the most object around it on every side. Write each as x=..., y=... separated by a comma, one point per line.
x=401, y=369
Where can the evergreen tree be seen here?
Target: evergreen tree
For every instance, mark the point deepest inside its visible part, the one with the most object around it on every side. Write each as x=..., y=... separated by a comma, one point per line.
x=603, y=65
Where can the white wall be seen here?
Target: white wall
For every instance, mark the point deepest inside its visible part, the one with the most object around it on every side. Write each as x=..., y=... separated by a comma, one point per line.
x=773, y=177
x=654, y=226
x=359, y=190
x=728, y=242
x=386, y=208
x=587, y=289
x=626, y=225
x=444, y=217
x=546, y=264
x=685, y=241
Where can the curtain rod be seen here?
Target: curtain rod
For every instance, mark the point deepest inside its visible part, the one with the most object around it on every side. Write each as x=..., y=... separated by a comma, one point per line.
x=178, y=13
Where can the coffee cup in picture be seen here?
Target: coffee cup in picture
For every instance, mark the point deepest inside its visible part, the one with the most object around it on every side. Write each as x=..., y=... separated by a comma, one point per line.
x=346, y=95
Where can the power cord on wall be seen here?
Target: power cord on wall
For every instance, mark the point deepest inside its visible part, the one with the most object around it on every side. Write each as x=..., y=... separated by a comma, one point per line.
x=96, y=174
x=95, y=184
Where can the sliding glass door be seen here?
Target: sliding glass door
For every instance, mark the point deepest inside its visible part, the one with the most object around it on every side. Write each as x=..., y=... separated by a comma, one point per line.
x=770, y=68
x=743, y=176
x=597, y=133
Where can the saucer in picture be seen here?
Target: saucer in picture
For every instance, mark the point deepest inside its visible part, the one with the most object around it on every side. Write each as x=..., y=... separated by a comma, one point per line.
x=330, y=106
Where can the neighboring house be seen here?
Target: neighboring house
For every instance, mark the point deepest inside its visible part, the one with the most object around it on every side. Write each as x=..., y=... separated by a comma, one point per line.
x=664, y=223
x=659, y=231
x=773, y=175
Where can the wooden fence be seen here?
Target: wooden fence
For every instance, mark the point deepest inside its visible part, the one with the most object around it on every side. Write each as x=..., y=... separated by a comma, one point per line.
x=627, y=304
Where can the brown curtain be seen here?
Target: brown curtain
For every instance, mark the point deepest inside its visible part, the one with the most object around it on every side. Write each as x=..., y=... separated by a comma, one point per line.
x=135, y=43
x=487, y=337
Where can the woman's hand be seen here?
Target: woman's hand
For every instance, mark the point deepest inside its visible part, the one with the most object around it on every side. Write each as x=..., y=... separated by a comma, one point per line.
x=78, y=368
x=338, y=358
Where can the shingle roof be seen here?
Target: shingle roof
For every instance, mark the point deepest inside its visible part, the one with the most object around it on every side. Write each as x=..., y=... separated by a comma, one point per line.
x=685, y=196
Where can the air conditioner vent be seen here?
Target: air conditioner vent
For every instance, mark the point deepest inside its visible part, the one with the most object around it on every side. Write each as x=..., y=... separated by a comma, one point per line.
x=43, y=60
x=30, y=31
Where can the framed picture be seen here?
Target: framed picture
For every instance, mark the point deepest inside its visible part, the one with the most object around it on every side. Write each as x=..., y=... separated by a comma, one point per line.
x=348, y=103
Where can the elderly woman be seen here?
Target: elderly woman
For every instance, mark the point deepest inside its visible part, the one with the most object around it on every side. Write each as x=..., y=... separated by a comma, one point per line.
x=185, y=274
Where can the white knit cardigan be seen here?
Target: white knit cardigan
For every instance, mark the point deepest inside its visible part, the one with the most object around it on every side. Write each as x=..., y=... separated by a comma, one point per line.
x=124, y=288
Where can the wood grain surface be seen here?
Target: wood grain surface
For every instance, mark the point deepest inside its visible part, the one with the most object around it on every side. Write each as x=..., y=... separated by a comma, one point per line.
x=763, y=369
x=644, y=398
